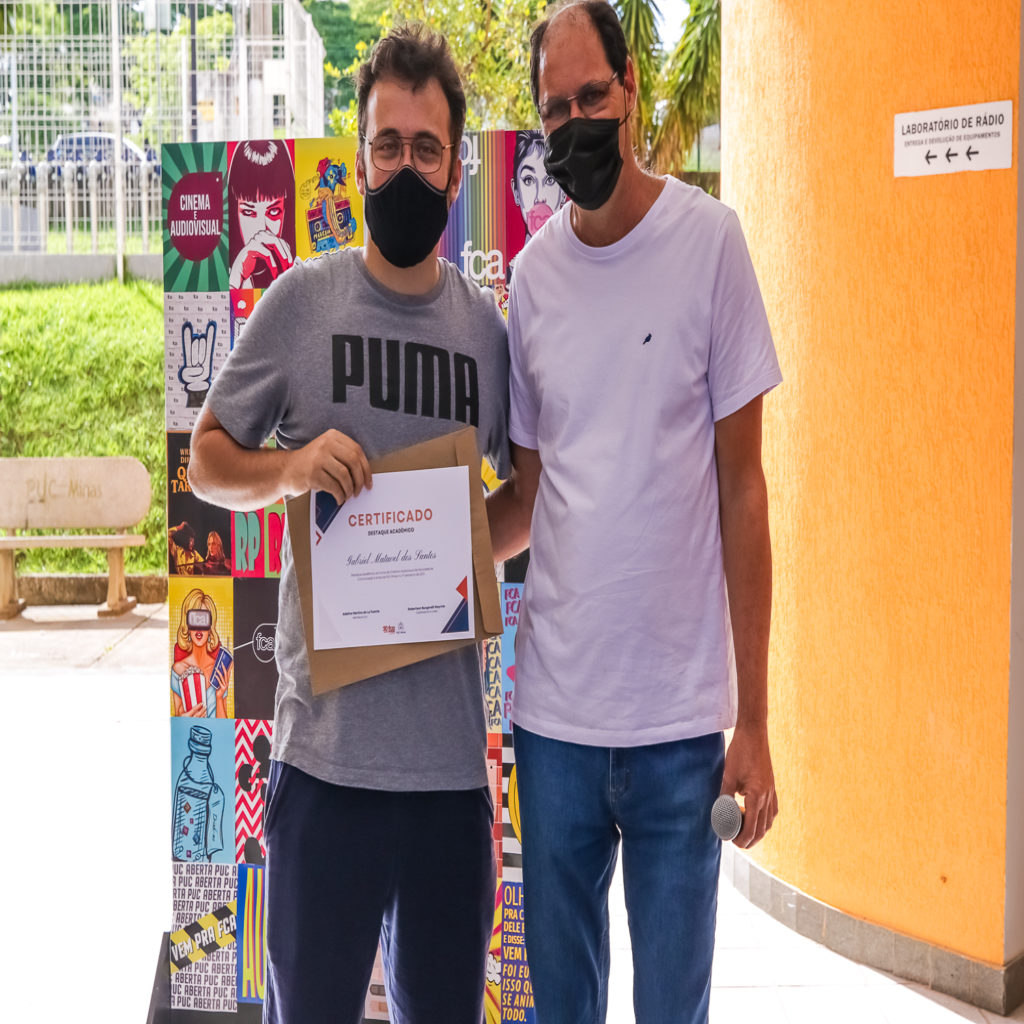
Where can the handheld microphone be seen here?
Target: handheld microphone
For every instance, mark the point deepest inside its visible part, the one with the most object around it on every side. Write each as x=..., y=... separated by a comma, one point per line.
x=726, y=818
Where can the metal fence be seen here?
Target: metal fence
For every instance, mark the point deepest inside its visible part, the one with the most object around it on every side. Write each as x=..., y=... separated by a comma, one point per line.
x=90, y=91
x=54, y=207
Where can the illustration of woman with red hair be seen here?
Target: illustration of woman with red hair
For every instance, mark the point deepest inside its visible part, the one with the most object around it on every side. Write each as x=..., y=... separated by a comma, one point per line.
x=261, y=213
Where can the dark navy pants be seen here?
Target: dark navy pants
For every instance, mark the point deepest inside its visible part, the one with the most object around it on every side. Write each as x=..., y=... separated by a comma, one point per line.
x=346, y=867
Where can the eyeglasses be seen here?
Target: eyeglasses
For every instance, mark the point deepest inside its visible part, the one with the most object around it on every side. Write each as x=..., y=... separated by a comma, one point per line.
x=387, y=151
x=589, y=99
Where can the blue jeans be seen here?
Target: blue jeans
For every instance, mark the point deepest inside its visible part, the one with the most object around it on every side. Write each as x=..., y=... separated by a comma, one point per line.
x=576, y=802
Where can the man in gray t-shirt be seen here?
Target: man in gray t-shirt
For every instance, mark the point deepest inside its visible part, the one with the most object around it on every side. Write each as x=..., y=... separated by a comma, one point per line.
x=378, y=820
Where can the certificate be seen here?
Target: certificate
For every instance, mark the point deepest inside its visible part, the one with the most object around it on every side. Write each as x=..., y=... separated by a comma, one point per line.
x=333, y=667
x=393, y=565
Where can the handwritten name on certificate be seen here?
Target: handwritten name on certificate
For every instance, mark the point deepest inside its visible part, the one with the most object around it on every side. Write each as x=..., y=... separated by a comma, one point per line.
x=394, y=564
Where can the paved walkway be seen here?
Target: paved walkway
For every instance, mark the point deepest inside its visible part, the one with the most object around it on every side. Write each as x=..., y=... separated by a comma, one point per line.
x=87, y=874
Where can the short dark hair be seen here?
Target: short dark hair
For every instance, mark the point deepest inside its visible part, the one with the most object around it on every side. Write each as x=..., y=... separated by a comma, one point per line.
x=603, y=17
x=413, y=54
x=526, y=140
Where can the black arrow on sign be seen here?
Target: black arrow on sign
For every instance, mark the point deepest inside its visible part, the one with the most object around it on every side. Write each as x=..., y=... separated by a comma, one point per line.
x=949, y=156
x=972, y=152
x=929, y=157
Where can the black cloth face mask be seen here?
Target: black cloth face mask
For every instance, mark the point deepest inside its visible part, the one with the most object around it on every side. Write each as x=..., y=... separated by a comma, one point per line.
x=406, y=217
x=583, y=156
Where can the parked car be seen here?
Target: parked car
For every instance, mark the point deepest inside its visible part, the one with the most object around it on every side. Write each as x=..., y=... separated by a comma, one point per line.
x=82, y=148
x=22, y=156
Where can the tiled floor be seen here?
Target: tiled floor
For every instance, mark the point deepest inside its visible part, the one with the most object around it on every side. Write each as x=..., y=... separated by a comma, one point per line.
x=87, y=879
x=86, y=875
x=764, y=973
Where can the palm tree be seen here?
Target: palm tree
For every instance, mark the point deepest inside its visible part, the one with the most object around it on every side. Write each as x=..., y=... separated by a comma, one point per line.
x=637, y=17
x=691, y=86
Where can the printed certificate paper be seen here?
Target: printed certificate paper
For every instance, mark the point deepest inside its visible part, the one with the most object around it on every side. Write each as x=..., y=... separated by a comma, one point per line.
x=395, y=564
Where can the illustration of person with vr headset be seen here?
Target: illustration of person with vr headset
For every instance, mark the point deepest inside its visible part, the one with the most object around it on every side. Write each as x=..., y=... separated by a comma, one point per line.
x=199, y=675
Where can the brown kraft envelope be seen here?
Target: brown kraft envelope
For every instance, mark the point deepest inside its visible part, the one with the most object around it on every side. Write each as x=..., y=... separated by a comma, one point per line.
x=330, y=669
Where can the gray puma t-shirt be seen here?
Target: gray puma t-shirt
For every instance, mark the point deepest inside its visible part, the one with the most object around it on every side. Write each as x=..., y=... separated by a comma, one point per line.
x=329, y=346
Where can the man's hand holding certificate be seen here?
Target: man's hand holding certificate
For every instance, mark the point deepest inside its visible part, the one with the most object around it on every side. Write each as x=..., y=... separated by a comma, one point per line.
x=395, y=563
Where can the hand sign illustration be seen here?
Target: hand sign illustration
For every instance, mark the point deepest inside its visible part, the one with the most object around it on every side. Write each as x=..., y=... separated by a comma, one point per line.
x=197, y=366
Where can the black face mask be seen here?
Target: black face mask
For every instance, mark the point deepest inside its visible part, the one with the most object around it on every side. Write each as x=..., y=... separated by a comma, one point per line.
x=583, y=156
x=406, y=217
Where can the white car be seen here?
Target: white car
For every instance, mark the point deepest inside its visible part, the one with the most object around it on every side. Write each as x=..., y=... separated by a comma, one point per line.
x=82, y=148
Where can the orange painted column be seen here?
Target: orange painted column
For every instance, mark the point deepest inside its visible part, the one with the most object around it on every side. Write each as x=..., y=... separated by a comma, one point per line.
x=889, y=453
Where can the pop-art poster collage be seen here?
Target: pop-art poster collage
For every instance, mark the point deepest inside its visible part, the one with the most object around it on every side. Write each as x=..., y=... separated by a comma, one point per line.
x=236, y=216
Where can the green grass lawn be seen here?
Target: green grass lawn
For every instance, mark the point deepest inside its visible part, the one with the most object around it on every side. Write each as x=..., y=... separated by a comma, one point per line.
x=81, y=373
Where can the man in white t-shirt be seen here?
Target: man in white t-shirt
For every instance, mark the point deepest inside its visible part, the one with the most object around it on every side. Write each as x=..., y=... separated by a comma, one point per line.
x=640, y=352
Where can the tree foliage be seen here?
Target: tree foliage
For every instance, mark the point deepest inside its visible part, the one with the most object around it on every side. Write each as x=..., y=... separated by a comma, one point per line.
x=678, y=93
x=152, y=62
x=490, y=41
x=637, y=18
x=691, y=86
x=342, y=27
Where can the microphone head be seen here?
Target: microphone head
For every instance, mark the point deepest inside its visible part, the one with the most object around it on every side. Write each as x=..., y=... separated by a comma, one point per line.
x=726, y=818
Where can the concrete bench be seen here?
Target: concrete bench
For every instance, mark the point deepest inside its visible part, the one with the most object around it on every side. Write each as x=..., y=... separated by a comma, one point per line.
x=93, y=493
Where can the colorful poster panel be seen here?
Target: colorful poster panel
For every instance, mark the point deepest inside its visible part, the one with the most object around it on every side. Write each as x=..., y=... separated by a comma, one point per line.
x=491, y=652
x=252, y=945
x=243, y=302
x=194, y=183
x=511, y=601
x=516, y=988
x=494, y=741
x=255, y=637
x=375, y=1006
x=201, y=614
x=492, y=971
x=252, y=768
x=237, y=216
x=328, y=207
x=511, y=832
x=474, y=239
x=202, y=792
x=203, y=938
x=198, y=535
x=197, y=339
x=532, y=196
x=260, y=212
x=256, y=539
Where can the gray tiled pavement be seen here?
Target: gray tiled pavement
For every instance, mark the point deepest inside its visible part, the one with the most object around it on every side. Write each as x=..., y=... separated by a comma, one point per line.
x=87, y=878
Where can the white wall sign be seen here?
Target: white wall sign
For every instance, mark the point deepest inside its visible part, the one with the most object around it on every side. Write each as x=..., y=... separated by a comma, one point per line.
x=974, y=138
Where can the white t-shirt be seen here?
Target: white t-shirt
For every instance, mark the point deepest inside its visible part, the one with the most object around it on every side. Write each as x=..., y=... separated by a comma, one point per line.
x=622, y=359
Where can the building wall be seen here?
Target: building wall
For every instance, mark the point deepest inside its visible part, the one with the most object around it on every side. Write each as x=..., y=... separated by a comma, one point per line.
x=1015, y=732
x=889, y=454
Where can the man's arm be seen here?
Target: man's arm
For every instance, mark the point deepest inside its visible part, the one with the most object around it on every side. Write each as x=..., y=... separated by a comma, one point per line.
x=225, y=473
x=747, y=555
x=510, y=507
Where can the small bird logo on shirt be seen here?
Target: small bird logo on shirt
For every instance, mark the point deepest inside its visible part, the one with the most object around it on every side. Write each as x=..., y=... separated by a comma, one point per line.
x=647, y=339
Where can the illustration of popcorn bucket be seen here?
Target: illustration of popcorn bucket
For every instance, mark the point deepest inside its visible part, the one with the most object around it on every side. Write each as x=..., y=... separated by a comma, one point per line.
x=193, y=688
